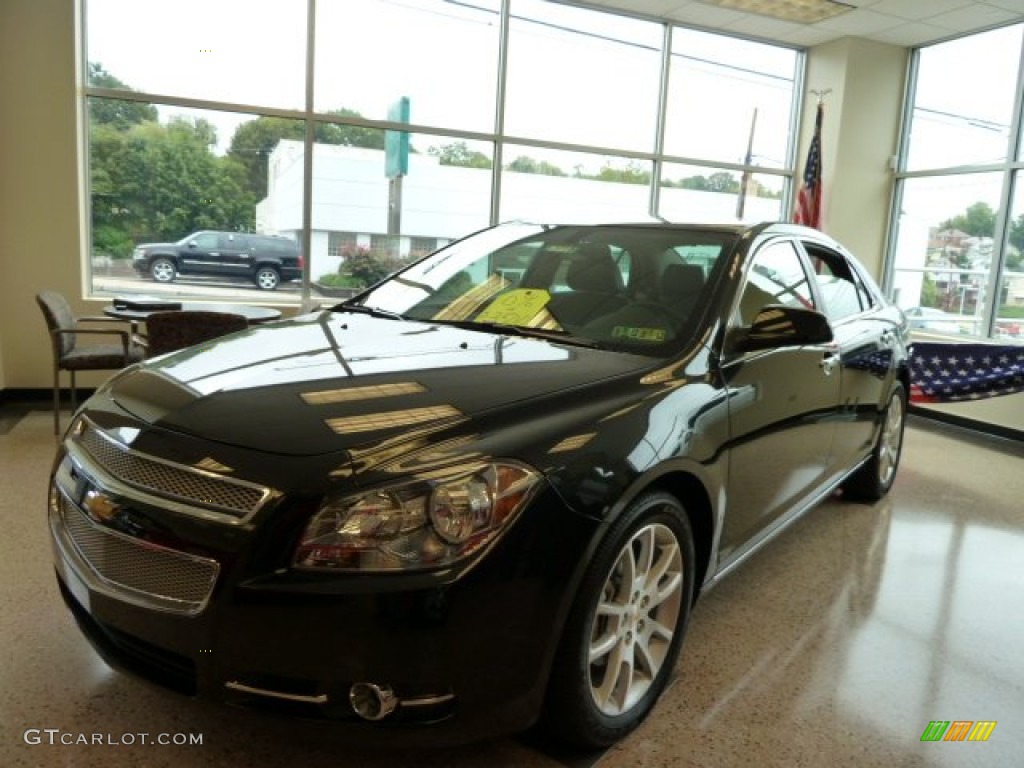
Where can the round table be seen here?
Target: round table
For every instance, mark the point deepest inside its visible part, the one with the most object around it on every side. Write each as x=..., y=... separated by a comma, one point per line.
x=252, y=314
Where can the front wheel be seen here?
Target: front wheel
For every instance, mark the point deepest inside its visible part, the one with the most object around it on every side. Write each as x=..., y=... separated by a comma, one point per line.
x=624, y=633
x=163, y=271
x=267, y=278
x=874, y=479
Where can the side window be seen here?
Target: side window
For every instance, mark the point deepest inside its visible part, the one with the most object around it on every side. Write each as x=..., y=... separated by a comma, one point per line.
x=207, y=240
x=842, y=293
x=232, y=242
x=776, y=276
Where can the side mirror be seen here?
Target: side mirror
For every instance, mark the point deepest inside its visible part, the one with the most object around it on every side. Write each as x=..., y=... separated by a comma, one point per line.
x=780, y=326
x=193, y=244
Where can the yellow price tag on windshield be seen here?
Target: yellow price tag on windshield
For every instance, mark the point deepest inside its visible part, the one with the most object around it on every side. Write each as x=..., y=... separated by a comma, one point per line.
x=517, y=307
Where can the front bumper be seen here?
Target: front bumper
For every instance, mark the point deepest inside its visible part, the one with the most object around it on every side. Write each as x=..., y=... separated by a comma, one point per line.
x=466, y=653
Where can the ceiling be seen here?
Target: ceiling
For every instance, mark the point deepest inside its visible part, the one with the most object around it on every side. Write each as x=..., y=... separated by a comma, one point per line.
x=898, y=22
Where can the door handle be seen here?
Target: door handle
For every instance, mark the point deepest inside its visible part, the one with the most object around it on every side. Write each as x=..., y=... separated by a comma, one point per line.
x=829, y=362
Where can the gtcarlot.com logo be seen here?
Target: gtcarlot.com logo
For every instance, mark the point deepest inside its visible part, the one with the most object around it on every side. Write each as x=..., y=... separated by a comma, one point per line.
x=958, y=730
x=58, y=737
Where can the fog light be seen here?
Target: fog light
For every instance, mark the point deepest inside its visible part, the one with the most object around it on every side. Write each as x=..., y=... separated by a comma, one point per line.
x=371, y=701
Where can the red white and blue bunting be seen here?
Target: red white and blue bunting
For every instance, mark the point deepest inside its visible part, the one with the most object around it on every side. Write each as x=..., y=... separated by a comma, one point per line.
x=952, y=372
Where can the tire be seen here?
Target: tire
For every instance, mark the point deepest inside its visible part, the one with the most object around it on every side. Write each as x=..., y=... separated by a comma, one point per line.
x=267, y=278
x=592, y=703
x=163, y=270
x=874, y=479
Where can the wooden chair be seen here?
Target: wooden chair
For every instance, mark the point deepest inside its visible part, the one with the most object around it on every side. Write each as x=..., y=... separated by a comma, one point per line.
x=171, y=331
x=69, y=355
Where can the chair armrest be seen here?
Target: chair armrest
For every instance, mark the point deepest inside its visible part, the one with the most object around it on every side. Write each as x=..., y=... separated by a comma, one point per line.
x=125, y=336
x=134, y=324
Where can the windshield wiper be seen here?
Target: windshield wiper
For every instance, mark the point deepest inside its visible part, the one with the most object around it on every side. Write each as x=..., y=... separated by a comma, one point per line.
x=523, y=331
x=363, y=309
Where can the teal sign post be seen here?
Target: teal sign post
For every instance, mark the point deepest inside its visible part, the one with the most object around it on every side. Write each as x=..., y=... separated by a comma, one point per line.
x=396, y=143
x=396, y=163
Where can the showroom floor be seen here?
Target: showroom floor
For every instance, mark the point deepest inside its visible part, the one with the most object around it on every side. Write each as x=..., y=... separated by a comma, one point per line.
x=835, y=646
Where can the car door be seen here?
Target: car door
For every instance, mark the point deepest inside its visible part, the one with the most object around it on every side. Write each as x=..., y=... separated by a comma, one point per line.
x=235, y=258
x=200, y=253
x=865, y=342
x=782, y=407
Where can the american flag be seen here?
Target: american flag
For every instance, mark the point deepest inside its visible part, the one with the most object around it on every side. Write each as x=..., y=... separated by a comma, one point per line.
x=808, y=199
x=944, y=372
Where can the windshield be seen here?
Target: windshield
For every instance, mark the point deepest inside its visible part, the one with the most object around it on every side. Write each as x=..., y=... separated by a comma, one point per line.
x=625, y=287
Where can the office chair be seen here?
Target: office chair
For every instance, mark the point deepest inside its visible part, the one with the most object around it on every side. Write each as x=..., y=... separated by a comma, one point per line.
x=69, y=355
x=171, y=331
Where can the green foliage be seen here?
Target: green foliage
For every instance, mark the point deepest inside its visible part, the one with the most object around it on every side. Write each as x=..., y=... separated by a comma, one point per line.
x=1011, y=311
x=978, y=221
x=1016, y=236
x=160, y=182
x=634, y=173
x=366, y=267
x=338, y=280
x=929, y=292
x=119, y=114
x=459, y=154
x=523, y=164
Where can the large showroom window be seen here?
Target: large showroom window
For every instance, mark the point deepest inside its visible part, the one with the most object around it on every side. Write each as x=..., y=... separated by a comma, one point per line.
x=955, y=263
x=372, y=131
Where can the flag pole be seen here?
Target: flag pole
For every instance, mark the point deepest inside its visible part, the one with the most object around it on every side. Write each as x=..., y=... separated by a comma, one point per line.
x=745, y=179
x=808, y=202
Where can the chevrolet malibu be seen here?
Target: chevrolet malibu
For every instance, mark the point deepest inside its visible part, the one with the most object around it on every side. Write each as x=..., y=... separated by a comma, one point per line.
x=485, y=493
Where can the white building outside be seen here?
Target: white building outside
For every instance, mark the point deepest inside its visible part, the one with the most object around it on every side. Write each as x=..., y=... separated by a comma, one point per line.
x=443, y=202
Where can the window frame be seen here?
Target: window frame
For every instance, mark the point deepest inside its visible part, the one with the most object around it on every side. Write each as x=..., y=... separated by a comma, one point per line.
x=654, y=156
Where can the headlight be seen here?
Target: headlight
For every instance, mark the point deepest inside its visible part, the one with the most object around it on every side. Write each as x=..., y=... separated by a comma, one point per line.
x=421, y=524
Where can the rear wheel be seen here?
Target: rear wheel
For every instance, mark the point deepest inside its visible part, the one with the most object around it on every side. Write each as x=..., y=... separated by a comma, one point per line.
x=873, y=480
x=163, y=270
x=267, y=278
x=624, y=634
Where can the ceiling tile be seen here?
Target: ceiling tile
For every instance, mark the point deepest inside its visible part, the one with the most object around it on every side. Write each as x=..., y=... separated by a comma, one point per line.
x=646, y=7
x=706, y=15
x=1008, y=5
x=809, y=36
x=761, y=26
x=916, y=9
x=911, y=34
x=860, y=23
x=977, y=16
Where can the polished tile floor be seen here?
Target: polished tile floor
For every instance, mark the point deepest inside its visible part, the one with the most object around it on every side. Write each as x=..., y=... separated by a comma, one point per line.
x=835, y=646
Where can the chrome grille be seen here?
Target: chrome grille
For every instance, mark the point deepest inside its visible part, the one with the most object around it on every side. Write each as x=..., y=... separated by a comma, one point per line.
x=234, y=497
x=138, y=571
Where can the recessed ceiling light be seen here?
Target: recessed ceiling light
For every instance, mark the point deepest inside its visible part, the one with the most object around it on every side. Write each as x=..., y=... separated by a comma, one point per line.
x=803, y=11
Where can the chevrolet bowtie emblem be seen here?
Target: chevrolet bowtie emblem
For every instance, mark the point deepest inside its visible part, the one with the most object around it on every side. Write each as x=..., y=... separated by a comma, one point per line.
x=100, y=507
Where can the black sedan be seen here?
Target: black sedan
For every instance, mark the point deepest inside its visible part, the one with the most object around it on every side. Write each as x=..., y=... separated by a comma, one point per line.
x=486, y=492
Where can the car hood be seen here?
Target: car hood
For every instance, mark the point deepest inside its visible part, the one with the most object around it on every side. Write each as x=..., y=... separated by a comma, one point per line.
x=339, y=381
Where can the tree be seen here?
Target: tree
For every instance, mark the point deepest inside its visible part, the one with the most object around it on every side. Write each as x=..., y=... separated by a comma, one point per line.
x=160, y=182
x=524, y=164
x=978, y=221
x=634, y=173
x=1016, y=236
x=114, y=112
x=459, y=154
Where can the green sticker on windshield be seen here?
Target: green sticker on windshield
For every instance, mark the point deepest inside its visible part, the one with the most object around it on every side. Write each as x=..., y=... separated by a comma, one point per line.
x=639, y=334
x=517, y=307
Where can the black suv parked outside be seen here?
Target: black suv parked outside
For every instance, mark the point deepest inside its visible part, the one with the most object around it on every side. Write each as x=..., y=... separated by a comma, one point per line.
x=264, y=259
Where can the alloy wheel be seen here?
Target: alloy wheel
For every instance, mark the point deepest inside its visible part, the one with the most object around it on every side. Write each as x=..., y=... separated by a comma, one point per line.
x=890, y=441
x=635, y=620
